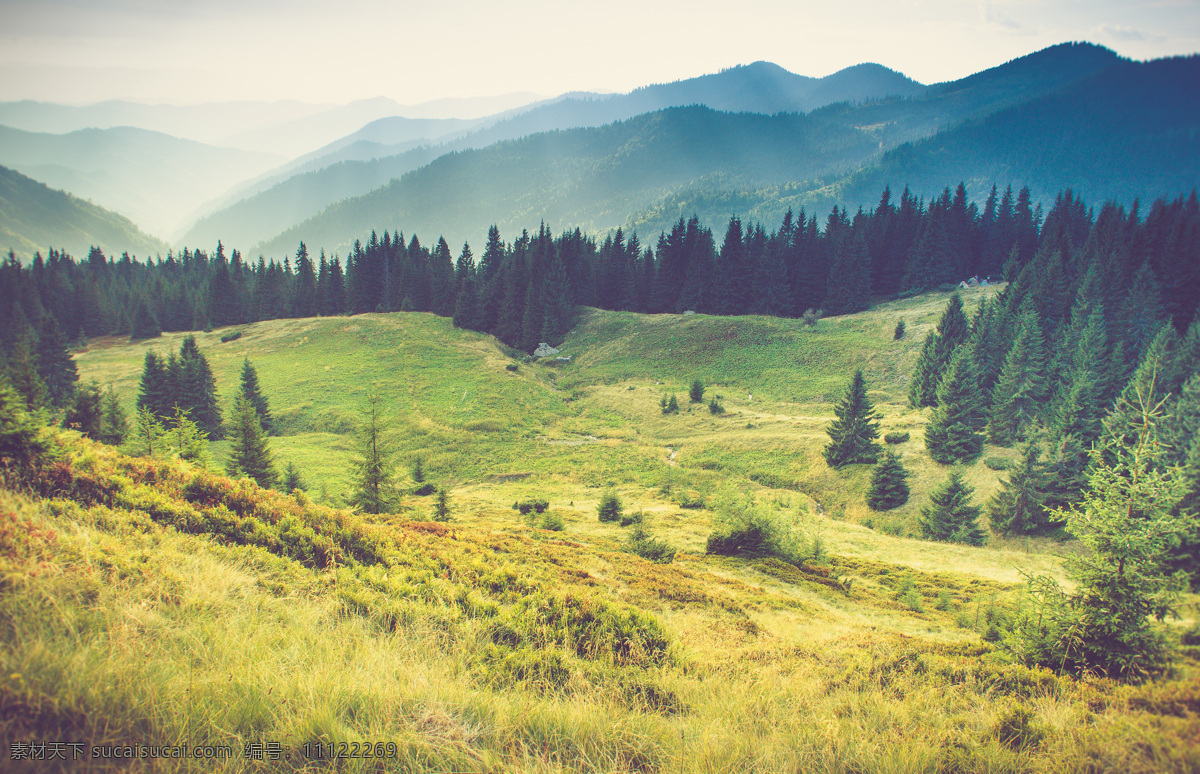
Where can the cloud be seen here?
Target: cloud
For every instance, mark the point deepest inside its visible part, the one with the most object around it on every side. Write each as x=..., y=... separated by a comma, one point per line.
x=1120, y=32
x=989, y=15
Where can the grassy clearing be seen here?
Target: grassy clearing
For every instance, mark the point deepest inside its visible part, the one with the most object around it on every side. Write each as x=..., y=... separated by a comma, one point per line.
x=868, y=659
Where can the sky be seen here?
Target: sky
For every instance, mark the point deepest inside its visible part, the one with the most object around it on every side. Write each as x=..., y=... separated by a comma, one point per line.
x=190, y=52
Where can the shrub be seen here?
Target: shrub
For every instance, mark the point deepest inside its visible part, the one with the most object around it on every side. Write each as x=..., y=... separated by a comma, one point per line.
x=424, y=490
x=899, y=332
x=512, y=367
x=715, y=407
x=812, y=316
x=670, y=406
x=897, y=437
x=639, y=542
x=610, y=507
x=746, y=529
x=637, y=517
x=525, y=506
x=998, y=463
x=691, y=500
x=1016, y=730
x=550, y=521
x=232, y=336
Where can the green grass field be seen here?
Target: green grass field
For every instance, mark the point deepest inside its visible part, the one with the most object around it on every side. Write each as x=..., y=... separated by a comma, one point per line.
x=149, y=602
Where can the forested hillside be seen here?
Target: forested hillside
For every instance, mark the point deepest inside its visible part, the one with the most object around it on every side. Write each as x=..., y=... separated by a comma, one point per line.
x=858, y=104
x=34, y=216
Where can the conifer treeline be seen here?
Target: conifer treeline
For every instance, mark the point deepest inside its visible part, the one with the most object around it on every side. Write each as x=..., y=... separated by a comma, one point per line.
x=1099, y=325
x=525, y=291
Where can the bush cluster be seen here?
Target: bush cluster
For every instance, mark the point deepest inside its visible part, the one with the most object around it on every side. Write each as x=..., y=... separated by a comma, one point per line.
x=897, y=437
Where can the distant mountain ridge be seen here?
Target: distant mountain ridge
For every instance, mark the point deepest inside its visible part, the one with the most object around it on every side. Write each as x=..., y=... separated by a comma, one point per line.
x=152, y=178
x=34, y=217
x=662, y=165
x=352, y=168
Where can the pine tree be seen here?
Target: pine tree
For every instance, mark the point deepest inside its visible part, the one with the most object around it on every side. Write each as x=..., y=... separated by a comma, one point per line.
x=696, y=393
x=953, y=434
x=86, y=413
x=441, y=508
x=1020, y=391
x=610, y=507
x=249, y=454
x=196, y=389
x=54, y=363
x=1128, y=526
x=922, y=390
x=252, y=393
x=952, y=331
x=888, y=484
x=852, y=435
x=292, y=479
x=156, y=393
x=145, y=324
x=22, y=447
x=1017, y=508
x=950, y=517
x=114, y=425
x=24, y=377
x=374, y=479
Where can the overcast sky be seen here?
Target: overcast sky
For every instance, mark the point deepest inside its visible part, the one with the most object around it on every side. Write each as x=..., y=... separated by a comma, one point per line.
x=82, y=51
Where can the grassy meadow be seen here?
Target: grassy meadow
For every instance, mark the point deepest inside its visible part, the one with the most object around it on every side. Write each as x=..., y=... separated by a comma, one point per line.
x=152, y=602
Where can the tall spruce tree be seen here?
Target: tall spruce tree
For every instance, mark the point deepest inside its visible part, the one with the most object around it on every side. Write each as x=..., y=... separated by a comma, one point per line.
x=54, y=363
x=156, y=393
x=852, y=435
x=1017, y=508
x=249, y=454
x=196, y=389
x=1020, y=391
x=954, y=433
x=950, y=516
x=374, y=477
x=952, y=331
x=889, y=488
x=253, y=393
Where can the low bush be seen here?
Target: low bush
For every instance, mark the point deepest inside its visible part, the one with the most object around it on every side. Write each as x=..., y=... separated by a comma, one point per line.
x=525, y=506
x=745, y=528
x=637, y=517
x=897, y=437
x=639, y=542
x=998, y=463
x=231, y=336
x=512, y=367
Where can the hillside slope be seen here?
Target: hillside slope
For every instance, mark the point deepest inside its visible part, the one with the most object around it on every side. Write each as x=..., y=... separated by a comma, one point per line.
x=150, y=602
x=1129, y=132
x=152, y=178
x=34, y=217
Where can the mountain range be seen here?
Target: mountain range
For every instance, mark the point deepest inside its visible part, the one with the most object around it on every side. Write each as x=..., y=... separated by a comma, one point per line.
x=752, y=140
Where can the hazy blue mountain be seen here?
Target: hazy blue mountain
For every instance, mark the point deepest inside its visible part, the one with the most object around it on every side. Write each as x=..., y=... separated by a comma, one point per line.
x=1129, y=132
x=34, y=217
x=1132, y=131
x=285, y=127
x=393, y=148
x=856, y=101
x=590, y=177
x=154, y=179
